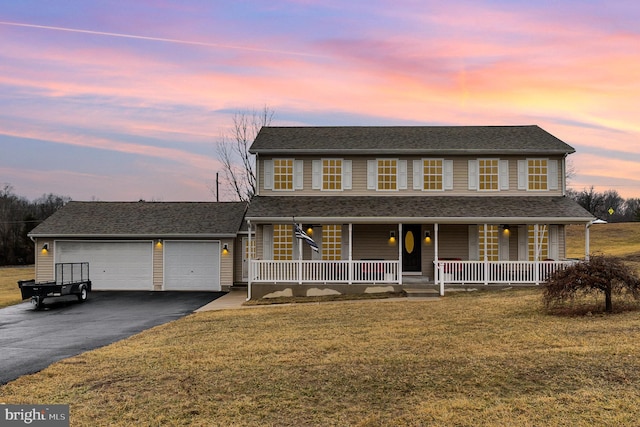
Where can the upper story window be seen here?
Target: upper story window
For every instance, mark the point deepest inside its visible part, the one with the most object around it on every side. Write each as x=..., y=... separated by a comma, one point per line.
x=488, y=174
x=537, y=174
x=433, y=174
x=283, y=174
x=331, y=174
x=387, y=174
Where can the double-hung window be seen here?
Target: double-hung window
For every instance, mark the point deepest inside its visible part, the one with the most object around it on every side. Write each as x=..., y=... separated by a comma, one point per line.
x=387, y=174
x=283, y=174
x=331, y=174
x=332, y=242
x=433, y=174
x=282, y=242
x=537, y=174
x=488, y=243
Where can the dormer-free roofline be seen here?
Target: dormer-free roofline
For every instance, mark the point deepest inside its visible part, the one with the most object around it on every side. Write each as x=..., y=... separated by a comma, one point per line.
x=408, y=140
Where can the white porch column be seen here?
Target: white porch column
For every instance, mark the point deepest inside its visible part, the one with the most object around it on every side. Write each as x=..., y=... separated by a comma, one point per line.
x=536, y=254
x=350, y=253
x=486, y=259
x=299, y=257
x=436, y=270
x=400, y=243
x=587, y=250
x=249, y=260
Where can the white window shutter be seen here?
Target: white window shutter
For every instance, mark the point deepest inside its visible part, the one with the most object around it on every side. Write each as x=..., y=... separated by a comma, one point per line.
x=418, y=175
x=447, y=166
x=552, y=174
x=522, y=174
x=473, y=174
x=316, y=174
x=268, y=174
x=473, y=243
x=346, y=175
x=372, y=174
x=298, y=174
x=267, y=242
x=345, y=241
x=503, y=174
x=402, y=174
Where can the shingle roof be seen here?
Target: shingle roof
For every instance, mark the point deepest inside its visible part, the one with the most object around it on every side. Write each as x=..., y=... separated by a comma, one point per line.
x=408, y=139
x=195, y=219
x=443, y=209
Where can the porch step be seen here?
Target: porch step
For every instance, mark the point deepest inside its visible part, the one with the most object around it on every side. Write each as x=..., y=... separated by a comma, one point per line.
x=421, y=293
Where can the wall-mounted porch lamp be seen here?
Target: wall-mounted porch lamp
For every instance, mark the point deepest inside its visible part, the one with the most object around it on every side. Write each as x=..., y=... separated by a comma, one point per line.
x=392, y=237
x=225, y=249
x=310, y=230
x=427, y=237
x=506, y=230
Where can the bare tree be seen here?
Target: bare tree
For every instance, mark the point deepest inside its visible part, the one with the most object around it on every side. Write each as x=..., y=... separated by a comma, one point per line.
x=238, y=165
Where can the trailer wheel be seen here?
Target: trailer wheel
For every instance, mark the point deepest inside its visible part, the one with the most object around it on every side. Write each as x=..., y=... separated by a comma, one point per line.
x=82, y=296
x=36, y=302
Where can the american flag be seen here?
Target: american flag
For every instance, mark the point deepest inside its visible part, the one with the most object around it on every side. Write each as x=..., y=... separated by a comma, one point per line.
x=304, y=236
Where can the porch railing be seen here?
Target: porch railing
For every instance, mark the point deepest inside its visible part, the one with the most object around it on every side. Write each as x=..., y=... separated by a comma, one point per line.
x=507, y=272
x=310, y=271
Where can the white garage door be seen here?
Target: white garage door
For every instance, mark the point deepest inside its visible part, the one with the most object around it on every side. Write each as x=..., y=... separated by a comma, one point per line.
x=112, y=265
x=191, y=266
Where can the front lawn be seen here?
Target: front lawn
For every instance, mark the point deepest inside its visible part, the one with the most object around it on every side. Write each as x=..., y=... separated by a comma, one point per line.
x=9, y=276
x=487, y=358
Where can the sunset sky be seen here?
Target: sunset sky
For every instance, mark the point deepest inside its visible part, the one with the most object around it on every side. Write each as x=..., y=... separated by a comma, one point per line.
x=126, y=100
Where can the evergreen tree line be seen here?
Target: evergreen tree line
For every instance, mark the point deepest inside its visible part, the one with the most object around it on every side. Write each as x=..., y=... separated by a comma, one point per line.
x=608, y=205
x=18, y=216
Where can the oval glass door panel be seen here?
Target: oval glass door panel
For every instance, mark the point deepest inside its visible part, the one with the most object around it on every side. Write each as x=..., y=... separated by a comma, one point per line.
x=409, y=242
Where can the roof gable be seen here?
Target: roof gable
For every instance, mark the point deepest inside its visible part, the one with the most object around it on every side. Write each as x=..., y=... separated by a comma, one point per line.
x=408, y=140
x=147, y=219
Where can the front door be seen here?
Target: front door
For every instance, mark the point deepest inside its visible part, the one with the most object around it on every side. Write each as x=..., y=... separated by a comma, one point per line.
x=411, y=248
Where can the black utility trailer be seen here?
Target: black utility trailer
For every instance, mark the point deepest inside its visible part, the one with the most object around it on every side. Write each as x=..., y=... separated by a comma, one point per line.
x=72, y=278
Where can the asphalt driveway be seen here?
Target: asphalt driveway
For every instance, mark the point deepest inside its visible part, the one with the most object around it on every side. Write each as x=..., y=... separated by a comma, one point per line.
x=32, y=340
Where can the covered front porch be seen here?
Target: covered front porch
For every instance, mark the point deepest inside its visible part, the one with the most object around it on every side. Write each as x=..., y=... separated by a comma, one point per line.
x=360, y=253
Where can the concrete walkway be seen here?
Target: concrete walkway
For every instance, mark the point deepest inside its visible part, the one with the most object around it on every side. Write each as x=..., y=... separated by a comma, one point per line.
x=231, y=300
x=235, y=298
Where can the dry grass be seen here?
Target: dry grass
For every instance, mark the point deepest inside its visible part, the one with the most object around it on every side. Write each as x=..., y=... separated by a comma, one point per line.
x=618, y=239
x=471, y=359
x=9, y=276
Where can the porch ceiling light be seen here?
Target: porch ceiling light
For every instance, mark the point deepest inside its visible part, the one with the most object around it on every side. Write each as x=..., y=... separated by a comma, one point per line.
x=506, y=230
x=310, y=230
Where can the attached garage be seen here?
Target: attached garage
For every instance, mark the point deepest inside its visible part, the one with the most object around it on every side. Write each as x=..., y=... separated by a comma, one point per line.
x=146, y=246
x=113, y=265
x=191, y=266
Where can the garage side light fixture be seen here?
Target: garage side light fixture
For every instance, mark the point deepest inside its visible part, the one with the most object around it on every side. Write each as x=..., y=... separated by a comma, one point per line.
x=225, y=249
x=159, y=243
x=45, y=248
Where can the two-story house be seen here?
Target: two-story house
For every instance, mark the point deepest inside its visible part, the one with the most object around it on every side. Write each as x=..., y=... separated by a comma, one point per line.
x=391, y=205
